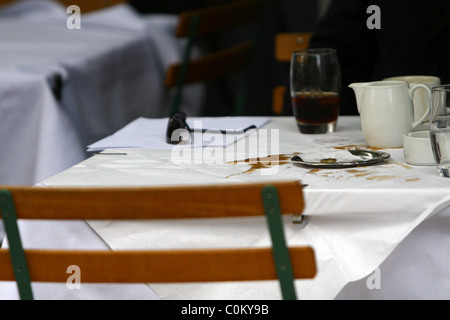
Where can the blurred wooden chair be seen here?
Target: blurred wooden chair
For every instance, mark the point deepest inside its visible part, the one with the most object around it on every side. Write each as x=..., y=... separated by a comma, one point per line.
x=89, y=5
x=158, y=266
x=214, y=20
x=285, y=44
x=85, y=5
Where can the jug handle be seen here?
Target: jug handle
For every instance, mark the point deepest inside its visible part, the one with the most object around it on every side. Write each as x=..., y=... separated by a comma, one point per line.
x=411, y=93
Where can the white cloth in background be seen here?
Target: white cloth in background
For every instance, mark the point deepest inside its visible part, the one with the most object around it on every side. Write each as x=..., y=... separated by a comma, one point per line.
x=156, y=29
x=33, y=9
x=37, y=138
x=102, y=77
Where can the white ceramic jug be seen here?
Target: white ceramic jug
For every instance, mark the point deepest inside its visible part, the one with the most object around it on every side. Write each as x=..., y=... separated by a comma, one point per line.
x=387, y=111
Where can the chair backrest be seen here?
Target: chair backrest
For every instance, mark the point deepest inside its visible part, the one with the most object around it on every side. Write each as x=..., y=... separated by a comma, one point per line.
x=89, y=5
x=85, y=5
x=285, y=44
x=161, y=266
x=214, y=20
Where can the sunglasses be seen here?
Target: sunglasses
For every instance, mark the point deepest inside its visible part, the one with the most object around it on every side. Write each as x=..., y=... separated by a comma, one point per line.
x=178, y=121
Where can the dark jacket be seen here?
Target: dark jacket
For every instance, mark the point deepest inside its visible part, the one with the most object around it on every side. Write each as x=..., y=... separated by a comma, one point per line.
x=414, y=39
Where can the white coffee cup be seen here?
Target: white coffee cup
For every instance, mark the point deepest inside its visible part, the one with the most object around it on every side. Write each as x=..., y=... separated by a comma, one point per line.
x=421, y=98
x=417, y=149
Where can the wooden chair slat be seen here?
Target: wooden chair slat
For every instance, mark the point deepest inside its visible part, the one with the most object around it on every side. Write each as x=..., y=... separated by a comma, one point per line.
x=227, y=200
x=163, y=266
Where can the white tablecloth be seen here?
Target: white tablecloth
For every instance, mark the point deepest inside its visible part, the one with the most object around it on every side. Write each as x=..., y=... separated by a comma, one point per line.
x=63, y=89
x=358, y=218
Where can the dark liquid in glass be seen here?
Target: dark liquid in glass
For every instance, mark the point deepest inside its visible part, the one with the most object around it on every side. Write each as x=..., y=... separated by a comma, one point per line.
x=316, y=108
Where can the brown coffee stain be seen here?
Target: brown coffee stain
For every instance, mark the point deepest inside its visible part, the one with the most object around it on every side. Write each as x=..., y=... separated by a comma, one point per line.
x=264, y=162
x=400, y=164
x=381, y=178
x=270, y=161
x=388, y=177
x=314, y=171
x=358, y=173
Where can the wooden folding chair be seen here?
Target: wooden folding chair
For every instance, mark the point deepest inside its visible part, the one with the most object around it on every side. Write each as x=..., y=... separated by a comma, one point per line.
x=89, y=5
x=195, y=25
x=285, y=44
x=85, y=5
x=161, y=266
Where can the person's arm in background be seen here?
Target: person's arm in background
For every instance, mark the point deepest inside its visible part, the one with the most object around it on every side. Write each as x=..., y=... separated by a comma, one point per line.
x=344, y=28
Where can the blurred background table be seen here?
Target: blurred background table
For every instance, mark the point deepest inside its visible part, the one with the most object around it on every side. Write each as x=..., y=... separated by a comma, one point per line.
x=63, y=89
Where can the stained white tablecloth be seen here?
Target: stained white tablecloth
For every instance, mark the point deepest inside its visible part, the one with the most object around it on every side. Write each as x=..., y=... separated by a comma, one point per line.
x=378, y=218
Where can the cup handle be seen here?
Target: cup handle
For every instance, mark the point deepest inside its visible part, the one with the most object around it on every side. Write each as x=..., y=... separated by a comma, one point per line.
x=425, y=115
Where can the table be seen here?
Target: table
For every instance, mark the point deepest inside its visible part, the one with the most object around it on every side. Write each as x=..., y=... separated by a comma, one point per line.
x=63, y=89
x=369, y=226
